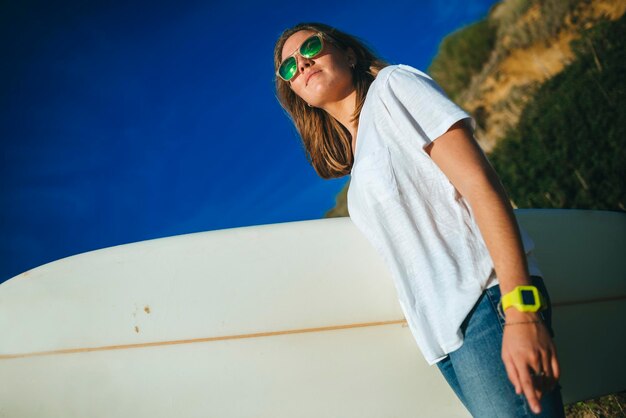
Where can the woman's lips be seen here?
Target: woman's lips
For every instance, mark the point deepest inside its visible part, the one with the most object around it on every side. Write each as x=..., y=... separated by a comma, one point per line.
x=311, y=75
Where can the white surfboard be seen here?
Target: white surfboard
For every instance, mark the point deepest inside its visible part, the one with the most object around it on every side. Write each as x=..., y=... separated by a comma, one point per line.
x=287, y=320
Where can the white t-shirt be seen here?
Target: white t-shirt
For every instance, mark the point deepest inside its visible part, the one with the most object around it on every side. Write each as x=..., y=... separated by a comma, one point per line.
x=413, y=215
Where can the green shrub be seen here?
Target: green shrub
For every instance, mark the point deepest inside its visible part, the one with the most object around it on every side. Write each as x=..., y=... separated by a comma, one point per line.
x=568, y=150
x=462, y=54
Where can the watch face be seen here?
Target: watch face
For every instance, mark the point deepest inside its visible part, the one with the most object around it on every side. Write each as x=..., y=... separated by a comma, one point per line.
x=528, y=297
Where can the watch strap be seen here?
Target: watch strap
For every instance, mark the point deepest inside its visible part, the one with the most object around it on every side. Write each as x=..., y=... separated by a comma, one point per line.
x=526, y=298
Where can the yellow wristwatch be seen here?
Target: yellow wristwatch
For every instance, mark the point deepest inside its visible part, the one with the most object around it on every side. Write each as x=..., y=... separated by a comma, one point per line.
x=524, y=299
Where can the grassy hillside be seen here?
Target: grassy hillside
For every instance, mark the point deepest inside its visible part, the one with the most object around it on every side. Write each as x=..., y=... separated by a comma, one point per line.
x=532, y=44
x=569, y=147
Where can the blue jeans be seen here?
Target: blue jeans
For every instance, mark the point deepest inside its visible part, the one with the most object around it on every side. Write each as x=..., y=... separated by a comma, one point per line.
x=476, y=371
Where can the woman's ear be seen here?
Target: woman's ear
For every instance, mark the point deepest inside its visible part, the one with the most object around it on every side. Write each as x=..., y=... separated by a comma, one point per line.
x=351, y=57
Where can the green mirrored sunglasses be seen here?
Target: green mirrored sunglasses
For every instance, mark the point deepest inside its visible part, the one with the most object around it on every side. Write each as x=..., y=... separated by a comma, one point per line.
x=310, y=48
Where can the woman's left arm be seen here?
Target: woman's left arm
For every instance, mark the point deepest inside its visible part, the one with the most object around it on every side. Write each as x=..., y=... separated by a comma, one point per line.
x=524, y=346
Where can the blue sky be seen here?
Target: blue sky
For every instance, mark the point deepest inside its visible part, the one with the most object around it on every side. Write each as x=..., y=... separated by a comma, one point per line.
x=127, y=121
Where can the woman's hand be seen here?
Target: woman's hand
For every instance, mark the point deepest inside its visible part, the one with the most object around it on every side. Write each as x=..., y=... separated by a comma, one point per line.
x=528, y=350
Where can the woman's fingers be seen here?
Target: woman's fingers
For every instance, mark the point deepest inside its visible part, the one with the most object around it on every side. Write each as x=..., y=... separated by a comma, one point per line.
x=512, y=373
x=539, y=381
x=555, y=365
x=529, y=385
x=519, y=371
x=547, y=380
x=520, y=358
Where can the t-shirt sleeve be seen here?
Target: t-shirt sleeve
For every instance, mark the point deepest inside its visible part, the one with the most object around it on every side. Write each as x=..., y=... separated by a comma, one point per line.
x=419, y=107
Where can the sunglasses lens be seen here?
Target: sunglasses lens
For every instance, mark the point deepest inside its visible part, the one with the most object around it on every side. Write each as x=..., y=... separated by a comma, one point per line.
x=311, y=47
x=288, y=68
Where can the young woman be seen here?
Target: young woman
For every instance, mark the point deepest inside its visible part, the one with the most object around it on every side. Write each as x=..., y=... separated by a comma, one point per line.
x=426, y=197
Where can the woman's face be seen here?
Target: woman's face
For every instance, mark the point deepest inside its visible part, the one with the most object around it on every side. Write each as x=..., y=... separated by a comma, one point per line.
x=323, y=79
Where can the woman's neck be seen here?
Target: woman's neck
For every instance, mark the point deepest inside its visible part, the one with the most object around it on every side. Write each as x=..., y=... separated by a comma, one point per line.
x=342, y=110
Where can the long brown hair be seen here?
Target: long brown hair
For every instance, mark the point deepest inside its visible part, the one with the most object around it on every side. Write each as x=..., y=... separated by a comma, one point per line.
x=328, y=144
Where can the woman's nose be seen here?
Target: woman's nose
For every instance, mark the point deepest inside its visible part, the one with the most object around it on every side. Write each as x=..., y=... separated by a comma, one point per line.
x=303, y=62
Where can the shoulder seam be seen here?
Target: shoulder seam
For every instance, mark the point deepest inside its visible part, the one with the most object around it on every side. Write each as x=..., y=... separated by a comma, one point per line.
x=386, y=82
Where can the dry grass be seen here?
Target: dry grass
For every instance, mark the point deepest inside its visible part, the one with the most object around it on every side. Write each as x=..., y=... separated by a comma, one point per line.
x=612, y=9
x=610, y=406
x=503, y=92
x=497, y=95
